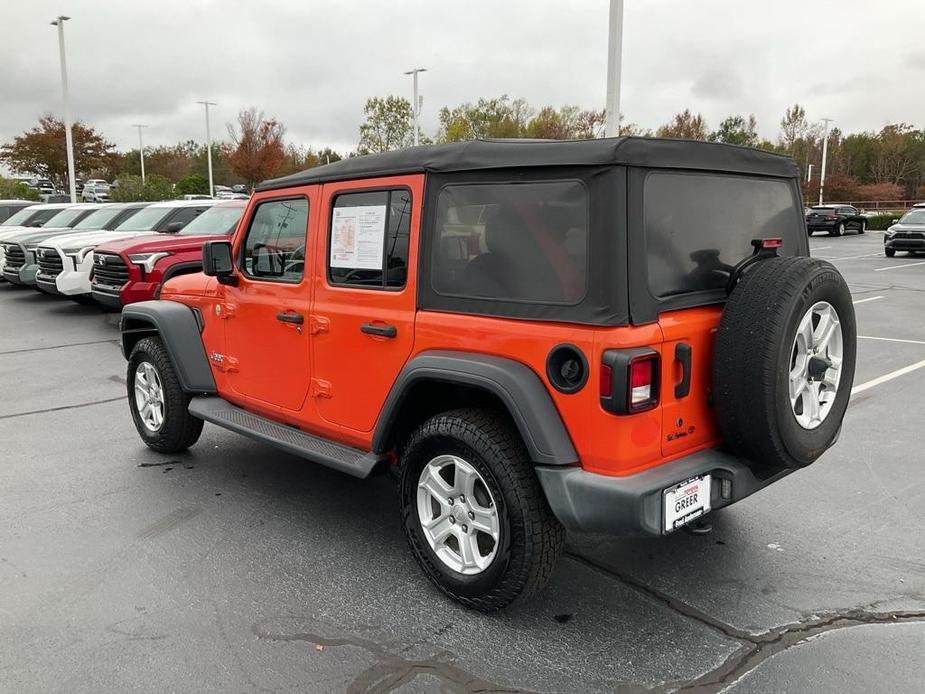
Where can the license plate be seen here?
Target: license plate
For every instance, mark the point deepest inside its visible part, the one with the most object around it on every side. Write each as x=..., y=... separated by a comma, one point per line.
x=686, y=501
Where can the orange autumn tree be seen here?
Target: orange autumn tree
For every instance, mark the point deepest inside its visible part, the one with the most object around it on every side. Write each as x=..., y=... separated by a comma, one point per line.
x=256, y=151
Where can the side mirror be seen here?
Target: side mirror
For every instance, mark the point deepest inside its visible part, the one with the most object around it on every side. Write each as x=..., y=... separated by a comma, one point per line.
x=174, y=227
x=217, y=261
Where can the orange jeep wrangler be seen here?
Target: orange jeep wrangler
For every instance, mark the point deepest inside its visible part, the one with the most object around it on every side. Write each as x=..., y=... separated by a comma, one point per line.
x=609, y=336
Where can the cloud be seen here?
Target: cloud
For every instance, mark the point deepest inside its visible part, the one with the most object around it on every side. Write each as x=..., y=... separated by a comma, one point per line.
x=718, y=83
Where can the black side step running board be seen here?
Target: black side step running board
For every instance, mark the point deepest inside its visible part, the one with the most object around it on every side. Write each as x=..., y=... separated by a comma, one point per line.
x=353, y=461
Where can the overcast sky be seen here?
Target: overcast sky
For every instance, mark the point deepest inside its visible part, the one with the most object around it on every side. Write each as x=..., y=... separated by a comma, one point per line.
x=312, y=64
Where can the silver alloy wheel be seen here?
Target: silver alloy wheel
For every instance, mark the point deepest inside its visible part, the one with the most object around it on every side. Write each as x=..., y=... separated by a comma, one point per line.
x=149, y=396
x=458, y=515
x=815, y=365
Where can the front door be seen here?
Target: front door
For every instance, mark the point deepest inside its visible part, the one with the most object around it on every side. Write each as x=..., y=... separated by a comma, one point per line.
x=266, y=315
x=364, y=304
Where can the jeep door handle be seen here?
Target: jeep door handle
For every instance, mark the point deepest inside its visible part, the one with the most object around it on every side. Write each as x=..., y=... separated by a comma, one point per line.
x=287, y=317
x=380, y=330
x=682, y=353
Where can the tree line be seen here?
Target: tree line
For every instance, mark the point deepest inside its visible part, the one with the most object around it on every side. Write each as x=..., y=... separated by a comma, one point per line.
x=885, y=165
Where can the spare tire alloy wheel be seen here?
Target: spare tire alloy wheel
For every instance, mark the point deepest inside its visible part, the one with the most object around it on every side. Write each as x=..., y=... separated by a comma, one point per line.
x=149, y=396
x=815, y=365
x=783, y=363
x=458, y=515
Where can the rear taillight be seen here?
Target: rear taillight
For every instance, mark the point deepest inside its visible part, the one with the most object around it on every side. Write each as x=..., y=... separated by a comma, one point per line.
x=831, y=217
x=629, y=380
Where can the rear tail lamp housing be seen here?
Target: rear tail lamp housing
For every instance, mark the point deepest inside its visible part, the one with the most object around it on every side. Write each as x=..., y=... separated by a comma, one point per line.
x=629, y=381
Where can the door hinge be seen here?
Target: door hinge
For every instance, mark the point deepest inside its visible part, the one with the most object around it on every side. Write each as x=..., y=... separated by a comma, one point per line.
x=224, y=310
x=320, y=388
x=320, y=324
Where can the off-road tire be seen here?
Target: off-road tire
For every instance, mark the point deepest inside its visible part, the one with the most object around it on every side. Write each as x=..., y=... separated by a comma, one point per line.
x=751, y=362
x=180, y=429
x=531, y=538
x=890, y=252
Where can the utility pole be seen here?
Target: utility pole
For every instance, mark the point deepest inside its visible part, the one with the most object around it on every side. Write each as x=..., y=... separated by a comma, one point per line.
x=614, y=68
x=209, y=143
x=141, y=151
x=825, y=151
x=416, y=101
x=68, y=137
x=809, y=173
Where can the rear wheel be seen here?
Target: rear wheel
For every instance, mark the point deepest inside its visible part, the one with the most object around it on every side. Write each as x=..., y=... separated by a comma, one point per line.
x=863, y=227
x=473, y=510
x=839, y=229
x=889, y=252
x=158, y=404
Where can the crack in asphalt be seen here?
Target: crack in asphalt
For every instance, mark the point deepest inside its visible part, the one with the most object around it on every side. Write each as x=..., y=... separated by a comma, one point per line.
x=72, y=344
x=61, y=408
x=390, y=670
x=755, y=649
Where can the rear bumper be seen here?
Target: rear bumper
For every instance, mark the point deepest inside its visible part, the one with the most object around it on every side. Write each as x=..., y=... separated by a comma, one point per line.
x=829, y=226
x=632, y=505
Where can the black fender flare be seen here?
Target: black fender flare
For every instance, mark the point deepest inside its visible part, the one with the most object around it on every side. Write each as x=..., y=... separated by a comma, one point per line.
x=179, y=327
x=515, y=384
x=185, y=268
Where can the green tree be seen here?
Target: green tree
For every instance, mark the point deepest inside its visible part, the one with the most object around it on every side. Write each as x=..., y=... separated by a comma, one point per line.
x=16, y=190
x=685, y=125
x=389, y=125
x=554, y=125
x=737, y=130
x=131, y=189
x=500, y=117
x=192, y=184
x=42, y=150
x=256, y=151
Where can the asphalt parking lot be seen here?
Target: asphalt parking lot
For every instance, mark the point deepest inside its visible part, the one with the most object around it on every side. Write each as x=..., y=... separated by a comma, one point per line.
x=235, y=568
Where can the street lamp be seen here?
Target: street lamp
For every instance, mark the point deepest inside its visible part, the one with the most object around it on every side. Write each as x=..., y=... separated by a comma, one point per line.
x=208, y=143
x=68, y=138
x=825, y=150
x=614, y=68
x=416, y=103
x=141, y=151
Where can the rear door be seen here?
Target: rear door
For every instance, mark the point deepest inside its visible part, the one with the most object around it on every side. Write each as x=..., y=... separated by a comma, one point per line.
x=689, y=231
x=364, y=300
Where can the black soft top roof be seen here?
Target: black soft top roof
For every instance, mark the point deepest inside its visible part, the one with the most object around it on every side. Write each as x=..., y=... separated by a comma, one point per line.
x=518, y=153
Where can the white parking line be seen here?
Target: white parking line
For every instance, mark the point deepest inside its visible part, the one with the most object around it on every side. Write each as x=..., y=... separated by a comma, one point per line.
x=820, y=248
x=897, y=267
x=864, y=301
x=888, y=377
x=892, y=339
x=854, y=257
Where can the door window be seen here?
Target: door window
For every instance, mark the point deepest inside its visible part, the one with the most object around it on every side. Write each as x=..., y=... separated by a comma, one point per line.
x=274, y=248
x=369, y=238
x=184, y=216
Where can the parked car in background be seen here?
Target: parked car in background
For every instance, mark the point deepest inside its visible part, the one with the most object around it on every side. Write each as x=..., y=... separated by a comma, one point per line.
x=19, y=265
x=65, y=261
x=906, y=234
x=56, y=197
x=216, y=189
x=10, y=207
x=196, y=196
x=43, y=185
x=240, y=188
x=30, y=217
x=95, y=191
x=835, y=219
x=135, y=269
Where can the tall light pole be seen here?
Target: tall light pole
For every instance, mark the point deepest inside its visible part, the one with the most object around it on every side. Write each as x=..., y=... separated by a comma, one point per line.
x=614, y=67
x=416, y=103
x=68, y=137
x=208, y=143
x=809, y=173
x=141, y=151
x=825, y=151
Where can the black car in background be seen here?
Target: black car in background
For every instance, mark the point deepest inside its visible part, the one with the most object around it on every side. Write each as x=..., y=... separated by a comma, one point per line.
x=835, y=219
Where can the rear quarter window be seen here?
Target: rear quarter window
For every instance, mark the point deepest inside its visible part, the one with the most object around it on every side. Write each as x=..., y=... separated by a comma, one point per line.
x=698, y=226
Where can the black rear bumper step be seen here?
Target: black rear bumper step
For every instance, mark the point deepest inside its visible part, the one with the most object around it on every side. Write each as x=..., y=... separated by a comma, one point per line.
x=353, y=461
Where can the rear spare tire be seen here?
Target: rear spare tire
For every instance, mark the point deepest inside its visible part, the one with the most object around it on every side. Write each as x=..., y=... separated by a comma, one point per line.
x=784, y=361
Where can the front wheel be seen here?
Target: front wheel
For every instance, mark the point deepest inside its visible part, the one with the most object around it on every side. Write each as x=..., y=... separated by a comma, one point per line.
x=889, y=252
x=158, y=404
x=473, y=510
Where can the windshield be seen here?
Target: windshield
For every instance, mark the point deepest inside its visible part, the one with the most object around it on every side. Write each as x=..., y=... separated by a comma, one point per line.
x=914, y=217
x=67, y=217
x=215, y=220
x=19, y=218
x=99, y=219
x=144, y=220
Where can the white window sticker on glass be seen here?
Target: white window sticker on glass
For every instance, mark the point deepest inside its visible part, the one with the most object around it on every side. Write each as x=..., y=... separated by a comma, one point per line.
x=358, y=237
